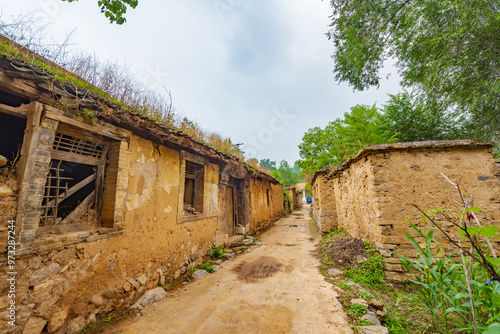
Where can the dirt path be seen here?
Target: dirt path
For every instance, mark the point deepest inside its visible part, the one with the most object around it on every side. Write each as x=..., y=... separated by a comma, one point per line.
x=294, y=299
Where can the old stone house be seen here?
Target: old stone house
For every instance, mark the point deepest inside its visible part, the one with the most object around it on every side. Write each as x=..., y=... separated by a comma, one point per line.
x=103, y=203
x=369, y=194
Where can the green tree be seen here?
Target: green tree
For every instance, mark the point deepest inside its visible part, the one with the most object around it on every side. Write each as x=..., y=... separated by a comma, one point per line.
x=115, y=10
x=410, y=118
x=287, y=174
x=268, y=164
x=446, y=50
x=342, y=138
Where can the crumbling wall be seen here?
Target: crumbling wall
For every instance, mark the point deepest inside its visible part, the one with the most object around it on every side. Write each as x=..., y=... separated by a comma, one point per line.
x=266, y=203
x=8, y=204
x=297, y=199
x=95, y=273
x=324, y=208
x=355, y=200
x=374, y=191
x=403, y=178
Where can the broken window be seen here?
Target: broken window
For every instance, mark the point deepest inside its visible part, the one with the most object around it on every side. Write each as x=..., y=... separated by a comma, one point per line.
x=11, y=137
x=74, y=186
x=193, y=188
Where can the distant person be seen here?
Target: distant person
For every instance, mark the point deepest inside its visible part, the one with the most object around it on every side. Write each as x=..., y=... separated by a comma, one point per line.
x=309, y=199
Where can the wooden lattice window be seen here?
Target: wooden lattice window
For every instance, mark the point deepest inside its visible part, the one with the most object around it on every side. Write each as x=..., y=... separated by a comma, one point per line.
x=74, y=183
x=194, y=188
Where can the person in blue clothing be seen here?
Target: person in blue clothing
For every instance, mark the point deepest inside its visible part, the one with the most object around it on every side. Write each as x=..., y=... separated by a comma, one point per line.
x=309, y=199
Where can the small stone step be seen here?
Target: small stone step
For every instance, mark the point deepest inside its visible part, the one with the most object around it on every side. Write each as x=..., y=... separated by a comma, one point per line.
x=234, y=240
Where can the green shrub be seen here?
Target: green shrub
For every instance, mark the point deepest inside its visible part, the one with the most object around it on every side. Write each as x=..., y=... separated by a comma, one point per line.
x=217, y=252
x=344, y=286
x=357, y=310
x=443, y=284
x=369, y=272
x=397, y=323
x=208, y=266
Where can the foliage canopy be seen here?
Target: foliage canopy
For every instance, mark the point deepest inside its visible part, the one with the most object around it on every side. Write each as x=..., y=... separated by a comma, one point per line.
x=115, y=10
x=342, y=138
x=446, y=50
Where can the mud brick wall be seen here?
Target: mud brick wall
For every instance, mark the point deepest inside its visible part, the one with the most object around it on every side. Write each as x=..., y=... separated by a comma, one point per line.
x=323, y=207
x=403, y=178
x=264, y=212
x=297, y=199
x=375, y=189
x=355, y=200
x=71, y=279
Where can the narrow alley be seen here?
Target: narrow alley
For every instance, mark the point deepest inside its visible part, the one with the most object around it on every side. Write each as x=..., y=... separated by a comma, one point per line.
x=294, y=299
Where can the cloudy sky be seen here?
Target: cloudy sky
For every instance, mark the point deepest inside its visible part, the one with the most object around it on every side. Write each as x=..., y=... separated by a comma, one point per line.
x=259, y=72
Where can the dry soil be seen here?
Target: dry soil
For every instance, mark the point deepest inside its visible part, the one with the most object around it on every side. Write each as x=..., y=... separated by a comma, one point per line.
x=275, y=288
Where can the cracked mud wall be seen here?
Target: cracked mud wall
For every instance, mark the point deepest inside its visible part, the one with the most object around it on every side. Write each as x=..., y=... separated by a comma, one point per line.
x=266, y=203
x=355, y=200
x=90, y=276
x=375, y=192
x=403, y=178
x=324, y=207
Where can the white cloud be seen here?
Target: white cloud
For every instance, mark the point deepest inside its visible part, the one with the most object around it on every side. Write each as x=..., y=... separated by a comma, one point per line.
x=228, y=63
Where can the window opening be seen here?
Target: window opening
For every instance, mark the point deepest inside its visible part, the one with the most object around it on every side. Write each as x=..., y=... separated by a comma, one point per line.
x=11, y=137
x=74, y=183
x=193, y=188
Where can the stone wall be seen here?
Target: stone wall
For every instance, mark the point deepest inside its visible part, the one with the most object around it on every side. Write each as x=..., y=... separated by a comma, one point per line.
x=8, y=204
x=375, y=189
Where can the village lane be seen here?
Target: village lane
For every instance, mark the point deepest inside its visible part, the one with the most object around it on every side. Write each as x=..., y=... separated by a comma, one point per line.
x=294, y=299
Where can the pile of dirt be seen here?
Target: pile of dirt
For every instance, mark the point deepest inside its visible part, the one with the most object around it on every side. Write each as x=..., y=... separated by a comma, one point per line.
x=262, y=268
x=344, y=249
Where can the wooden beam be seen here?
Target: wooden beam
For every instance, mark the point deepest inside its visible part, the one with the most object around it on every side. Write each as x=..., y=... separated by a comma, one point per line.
x=21, y=112
x=72, y=131
x=95, y=129
x=79, y=210
x=19, y=87
x=73, y=157
x=72, y=190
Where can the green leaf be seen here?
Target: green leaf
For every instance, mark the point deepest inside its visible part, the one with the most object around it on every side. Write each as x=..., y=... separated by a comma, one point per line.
x=493, y=329
x=495, y=299
x=493, y=260
x=473, y=209
x=489, y=231
x=472, y=231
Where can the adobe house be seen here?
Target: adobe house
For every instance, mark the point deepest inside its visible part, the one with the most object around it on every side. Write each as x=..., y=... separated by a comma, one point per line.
x=369, y=194
x=104, y=203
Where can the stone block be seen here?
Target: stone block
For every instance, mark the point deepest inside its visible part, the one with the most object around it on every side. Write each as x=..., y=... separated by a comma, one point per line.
x=75, y=325
x=57, y=320
x=35, y=325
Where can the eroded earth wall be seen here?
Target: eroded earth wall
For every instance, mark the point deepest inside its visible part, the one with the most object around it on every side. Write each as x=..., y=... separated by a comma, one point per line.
x=375, y=191
x=74, y=277
x=324, y=206
x=266, y=203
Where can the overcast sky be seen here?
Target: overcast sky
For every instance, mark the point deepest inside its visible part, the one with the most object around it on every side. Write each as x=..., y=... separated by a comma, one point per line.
x=259, y=72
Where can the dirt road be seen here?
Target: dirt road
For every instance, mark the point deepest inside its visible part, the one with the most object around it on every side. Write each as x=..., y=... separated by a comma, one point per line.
x=293, y=298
